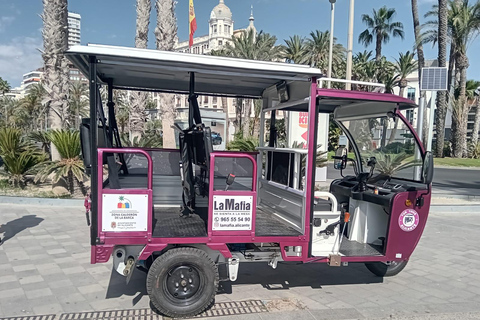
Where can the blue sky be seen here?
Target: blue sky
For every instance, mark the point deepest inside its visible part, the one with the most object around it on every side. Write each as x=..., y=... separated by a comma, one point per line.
x=113, y=22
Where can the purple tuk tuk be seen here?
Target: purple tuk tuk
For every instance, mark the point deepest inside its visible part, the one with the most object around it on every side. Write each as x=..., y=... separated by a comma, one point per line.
x=184, y=214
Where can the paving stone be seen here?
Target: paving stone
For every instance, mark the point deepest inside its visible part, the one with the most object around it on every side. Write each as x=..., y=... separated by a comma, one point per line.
x=33, y=294
x=31, y=279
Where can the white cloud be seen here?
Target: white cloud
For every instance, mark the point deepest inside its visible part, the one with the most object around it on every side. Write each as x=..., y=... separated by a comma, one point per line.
x=5, y=22
x=19, y=56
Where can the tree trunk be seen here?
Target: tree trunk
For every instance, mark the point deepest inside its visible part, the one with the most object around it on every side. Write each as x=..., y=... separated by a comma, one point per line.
x=166, y=37
x=227, y=120
x=238, y=116
x=476, y=123
x=394, y=130
x=442, y=62
x=378, y=47
x=246, y=122
x=459, y=147
x=55, y=76
x=139, y=99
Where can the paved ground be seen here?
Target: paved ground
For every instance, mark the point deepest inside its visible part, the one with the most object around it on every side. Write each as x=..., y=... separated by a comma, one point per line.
x=464, y=181
x=44, y=269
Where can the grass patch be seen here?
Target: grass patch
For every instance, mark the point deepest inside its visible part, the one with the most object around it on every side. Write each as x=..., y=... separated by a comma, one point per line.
x=332, y=153
x=455, y=162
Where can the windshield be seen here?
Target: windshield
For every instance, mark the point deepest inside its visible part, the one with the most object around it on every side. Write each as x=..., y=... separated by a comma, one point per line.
x=390, y=141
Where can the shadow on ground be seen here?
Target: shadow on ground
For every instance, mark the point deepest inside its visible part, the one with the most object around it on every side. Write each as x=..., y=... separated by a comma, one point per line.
x=289, y=275
x=136, y=288
x=14, y=227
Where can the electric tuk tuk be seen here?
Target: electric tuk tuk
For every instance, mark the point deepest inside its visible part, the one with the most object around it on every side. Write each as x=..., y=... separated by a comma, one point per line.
x=184, y=214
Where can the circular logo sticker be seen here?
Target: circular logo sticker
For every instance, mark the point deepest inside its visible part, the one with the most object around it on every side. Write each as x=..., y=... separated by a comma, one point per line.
x=408, y=220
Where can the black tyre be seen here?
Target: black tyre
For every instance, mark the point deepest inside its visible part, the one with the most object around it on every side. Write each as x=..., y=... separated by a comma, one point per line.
x=182, y=282
x=383, y=270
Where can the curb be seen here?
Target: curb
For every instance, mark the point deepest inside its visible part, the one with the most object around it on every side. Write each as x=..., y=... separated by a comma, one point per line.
x=455, y=196
x=42, y=201
x=455, y=208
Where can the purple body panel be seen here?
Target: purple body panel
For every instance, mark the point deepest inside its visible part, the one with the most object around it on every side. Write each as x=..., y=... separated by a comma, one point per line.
x=399, y=242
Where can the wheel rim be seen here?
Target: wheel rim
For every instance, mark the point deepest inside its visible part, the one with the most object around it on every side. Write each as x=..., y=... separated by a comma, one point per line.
x=182, y=282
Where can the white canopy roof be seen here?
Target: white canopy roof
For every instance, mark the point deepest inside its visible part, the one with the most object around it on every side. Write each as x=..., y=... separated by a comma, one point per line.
x=169, y=71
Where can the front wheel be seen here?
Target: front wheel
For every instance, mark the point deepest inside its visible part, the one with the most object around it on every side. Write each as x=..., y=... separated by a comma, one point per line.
x=386, y=270
x=182, y=282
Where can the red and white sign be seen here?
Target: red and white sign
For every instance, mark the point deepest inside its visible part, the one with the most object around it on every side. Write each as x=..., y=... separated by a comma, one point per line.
x=408, y=220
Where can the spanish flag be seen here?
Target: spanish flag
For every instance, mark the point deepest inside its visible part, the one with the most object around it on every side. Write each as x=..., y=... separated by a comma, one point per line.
x=192, y=27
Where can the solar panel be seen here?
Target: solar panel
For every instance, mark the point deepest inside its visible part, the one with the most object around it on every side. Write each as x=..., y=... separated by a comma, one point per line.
x=434, y=79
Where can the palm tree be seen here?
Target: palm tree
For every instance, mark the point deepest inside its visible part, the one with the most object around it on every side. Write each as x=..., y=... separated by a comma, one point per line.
x=4, y=86
x=476, y=122
x=465, y=27
x=30, y=111
x=250, y=45
x=442, y=62
x=70, y=166
x=295, y=50
x=405, y=66
x=55, y=75
x=78, y=104
x=388, y=164
x=166, y=37
x=379, y=28
x=318, y=50
x=139, y=99
x=18, y=154
x=472, y=101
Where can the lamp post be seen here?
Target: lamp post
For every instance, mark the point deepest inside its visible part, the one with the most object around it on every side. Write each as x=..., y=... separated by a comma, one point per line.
x=348, y=85
x=330, y=53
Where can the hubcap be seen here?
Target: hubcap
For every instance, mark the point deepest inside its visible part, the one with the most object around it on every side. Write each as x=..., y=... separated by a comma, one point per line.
x=183, y=282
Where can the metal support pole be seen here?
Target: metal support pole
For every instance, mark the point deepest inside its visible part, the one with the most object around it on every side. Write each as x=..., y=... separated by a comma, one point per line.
x=348, y=85
x=93, y=149
x=431, y=120
x=420, y=115
x=330, y=52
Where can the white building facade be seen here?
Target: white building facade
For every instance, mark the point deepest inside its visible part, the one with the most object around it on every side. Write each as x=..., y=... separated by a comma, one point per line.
x=74, y=29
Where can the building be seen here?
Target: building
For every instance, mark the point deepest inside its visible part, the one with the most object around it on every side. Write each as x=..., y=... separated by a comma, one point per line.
x=220, y=32
x=74, y=29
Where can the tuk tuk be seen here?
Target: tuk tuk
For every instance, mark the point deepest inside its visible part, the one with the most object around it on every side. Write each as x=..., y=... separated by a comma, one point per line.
x=186, y=214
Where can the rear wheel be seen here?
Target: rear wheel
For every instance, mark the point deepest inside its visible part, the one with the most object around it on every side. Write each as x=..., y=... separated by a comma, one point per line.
x=182, y=282
x=386, y=270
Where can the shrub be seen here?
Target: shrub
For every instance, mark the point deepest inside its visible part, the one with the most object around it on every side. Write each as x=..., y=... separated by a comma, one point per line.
x=70, y=166
x=474, y=151
x=19, y=156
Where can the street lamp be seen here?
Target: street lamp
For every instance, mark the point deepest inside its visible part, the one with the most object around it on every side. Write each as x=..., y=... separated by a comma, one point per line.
x=348, y=85
x=330, y=53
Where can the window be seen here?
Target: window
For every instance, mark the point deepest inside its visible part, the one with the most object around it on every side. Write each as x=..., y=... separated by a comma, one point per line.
x=214, y=99
x=411, y=94
x=205, y=99
x=214, y=28
x=220, y=42
x=409, y=116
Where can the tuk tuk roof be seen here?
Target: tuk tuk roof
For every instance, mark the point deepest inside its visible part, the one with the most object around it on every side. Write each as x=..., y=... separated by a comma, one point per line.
x=132, y=68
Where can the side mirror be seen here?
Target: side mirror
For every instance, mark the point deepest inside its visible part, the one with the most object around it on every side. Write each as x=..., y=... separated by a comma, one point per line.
x=427, y=174
x=340, y=159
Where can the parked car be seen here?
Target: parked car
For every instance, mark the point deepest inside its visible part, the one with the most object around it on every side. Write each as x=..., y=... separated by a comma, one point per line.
x=216, y=138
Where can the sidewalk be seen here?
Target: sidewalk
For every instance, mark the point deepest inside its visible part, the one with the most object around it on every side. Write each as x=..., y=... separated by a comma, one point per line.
x=45, y=270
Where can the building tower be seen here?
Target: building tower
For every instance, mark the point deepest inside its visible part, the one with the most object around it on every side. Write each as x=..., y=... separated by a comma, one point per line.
x=251, y=25
x=73, y=29
x=220, y=26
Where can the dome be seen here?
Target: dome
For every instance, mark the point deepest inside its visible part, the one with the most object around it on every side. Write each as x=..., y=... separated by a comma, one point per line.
x=221, y=11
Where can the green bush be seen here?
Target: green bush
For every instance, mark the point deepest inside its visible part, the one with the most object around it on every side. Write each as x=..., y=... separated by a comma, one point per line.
x=19, y=156
x=474, y=150
x=70, y=166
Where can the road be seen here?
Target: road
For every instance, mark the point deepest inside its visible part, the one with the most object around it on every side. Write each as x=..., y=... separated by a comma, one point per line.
x=45, y=270
x=445, y=180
